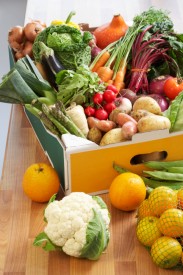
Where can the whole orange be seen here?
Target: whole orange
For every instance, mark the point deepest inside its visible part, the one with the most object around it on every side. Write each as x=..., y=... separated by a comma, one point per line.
x=127, y=191
x=40, y=182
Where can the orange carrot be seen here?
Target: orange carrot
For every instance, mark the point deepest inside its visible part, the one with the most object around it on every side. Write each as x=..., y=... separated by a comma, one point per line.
x=101, y=61
x=105, y=73
x=110, y=81
x=119, y=79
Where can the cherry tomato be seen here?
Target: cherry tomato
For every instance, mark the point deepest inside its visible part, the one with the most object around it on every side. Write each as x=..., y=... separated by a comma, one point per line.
x=98, y=98
x=172, y=87
x=109, y=107
x=112, y=88
x=89, y=111
x=101, y=114
x=109, y=96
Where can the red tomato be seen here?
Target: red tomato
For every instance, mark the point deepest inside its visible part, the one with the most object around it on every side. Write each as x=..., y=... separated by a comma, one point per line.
x=172, y=87
x=89, y=111
x=112, y=88
x=109, y=96
x=101, y=114
x=98, y=98
x=109, y=107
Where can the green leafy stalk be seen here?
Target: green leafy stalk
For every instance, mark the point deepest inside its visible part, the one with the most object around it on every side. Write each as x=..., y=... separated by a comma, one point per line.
x=43, y=241
x=97, y=238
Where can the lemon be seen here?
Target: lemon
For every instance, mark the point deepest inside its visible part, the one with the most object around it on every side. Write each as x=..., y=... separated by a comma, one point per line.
x=147, y=230
x=166, y=252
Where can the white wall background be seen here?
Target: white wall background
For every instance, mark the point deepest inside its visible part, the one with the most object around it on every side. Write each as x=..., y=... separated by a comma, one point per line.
x=12, y=13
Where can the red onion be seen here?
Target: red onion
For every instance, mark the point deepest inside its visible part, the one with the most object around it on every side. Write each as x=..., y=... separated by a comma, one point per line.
x=157, y=84
x=95, y=51
x=127, y=93
x=161, y=100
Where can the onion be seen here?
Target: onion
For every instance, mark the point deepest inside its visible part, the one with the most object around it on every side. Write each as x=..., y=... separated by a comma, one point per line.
x=161, y=100
x=32, y=29
x=16, y=34
x=157, y=84
x=95, y=51
x=27, y=50
x=123, y=104
x=127, y=93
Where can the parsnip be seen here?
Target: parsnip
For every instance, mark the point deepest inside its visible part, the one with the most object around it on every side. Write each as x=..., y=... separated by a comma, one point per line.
x=76, y=113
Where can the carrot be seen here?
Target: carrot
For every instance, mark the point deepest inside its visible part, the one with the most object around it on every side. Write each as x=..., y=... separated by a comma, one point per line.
x=119, y=79
x=110, y=81
x=105, y=73
x=101, y=61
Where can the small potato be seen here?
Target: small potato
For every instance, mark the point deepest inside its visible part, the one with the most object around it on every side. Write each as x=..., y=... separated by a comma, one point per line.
x=152, y=123
x=138, y=114
x=102, y=125
x=113, y=136
x=94, y=135
x=147, y=103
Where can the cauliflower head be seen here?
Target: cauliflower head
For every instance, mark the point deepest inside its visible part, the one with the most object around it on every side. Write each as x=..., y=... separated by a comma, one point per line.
x=78, y=224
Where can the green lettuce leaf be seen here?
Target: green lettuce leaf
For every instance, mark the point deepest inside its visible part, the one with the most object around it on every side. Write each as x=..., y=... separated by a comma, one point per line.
x=97, y=238
x=175, y=113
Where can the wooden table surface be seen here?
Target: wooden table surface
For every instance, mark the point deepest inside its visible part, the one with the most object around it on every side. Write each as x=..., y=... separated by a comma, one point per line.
x=21, y=220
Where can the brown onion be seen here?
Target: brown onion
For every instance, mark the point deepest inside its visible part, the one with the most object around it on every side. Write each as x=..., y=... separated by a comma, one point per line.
x=27, y=49
x=32, y=29
x=16, y=34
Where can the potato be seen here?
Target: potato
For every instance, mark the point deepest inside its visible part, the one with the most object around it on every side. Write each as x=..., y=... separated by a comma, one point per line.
x=152, y=123
x=147, y=103
x=94, y=135
x=138, y=114
x=113, y=136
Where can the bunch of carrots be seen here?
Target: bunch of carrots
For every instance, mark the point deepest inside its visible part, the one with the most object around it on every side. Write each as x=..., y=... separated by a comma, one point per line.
x=111, y=63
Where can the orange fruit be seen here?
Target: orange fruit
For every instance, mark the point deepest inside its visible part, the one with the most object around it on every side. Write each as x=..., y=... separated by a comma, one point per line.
x=166, y=252
x=40, y=182
x=180, y=198
x=171, y=223
x=144, y=210
x=127, y=191
x=147, y=230
x=161, y=199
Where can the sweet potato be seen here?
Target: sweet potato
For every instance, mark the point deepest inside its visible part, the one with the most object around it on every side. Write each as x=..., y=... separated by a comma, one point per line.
x=113, y=136
x=102, y=125
x=122, y=118
x=129, y=129
x=147, y=103
x=152, y=123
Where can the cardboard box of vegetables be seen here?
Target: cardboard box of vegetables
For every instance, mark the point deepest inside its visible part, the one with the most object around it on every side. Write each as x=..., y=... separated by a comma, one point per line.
x=93, y=97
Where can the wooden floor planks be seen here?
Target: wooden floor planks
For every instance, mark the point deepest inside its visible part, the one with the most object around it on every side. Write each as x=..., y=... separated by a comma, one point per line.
x=21, y=220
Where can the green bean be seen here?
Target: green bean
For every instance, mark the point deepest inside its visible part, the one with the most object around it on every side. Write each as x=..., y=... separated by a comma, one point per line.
x=175, y=170
x=156, y=183
x=163, y=175
x=159, y=165
x=119, y=169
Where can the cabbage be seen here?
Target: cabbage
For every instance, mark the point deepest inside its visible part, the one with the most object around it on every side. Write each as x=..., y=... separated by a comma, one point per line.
x=69, y=44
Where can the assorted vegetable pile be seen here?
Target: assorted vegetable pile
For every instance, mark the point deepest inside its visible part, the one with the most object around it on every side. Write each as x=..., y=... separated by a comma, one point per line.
x=118, y=80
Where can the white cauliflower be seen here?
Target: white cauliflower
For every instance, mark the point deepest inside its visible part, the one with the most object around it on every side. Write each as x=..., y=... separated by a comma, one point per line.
x=78, y=224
